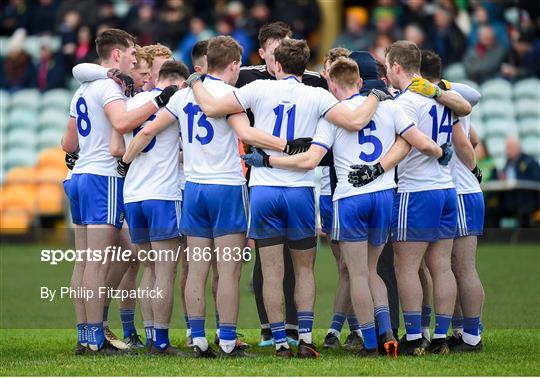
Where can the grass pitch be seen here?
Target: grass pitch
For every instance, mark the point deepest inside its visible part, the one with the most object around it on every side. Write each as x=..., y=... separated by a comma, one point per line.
x=28, y=345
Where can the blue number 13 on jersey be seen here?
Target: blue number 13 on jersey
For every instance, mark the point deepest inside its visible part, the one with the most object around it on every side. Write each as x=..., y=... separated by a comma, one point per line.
x=191, y=110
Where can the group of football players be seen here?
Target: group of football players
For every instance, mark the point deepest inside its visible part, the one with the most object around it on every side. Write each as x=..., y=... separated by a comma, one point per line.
x=148, y=141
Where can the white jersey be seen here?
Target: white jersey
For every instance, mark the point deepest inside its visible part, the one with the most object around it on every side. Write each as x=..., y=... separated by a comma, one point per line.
x=154, y=174
x=326, y=189
x=94, y=128
x=419, y=172
x=365, y=147
x=287, y=109
x=210, y=145
x=464, y=179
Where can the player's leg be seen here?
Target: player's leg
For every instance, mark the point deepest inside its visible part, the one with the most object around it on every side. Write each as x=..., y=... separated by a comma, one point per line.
x=427, y=292
x=300, y=213
x=471, y=292
x=76, y=284
x=165, y=272
x=355, y=255
x=439, y=262
x=266, y=334
x=215, y=280
x=147, y=283
x=183, y=278
x=128, y=305
x=385, y=268
x=341, y=305
x=99, y=238
x=291, y=314
x=229, y=267
x=199, y=267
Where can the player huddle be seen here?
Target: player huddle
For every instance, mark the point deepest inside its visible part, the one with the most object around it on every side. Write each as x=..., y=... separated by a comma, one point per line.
x=168, y=159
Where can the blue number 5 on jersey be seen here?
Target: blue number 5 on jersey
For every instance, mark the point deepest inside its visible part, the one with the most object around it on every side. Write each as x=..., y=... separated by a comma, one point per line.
x=153, y=141
x=192, y=110
x=370, y=138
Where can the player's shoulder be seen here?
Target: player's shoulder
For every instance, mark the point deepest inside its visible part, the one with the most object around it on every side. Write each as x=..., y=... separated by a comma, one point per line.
x=314, y=79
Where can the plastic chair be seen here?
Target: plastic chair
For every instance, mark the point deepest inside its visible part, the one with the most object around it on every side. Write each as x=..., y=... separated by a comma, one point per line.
x=19, y=156
x=5, y=100
x=53, y=119
x=56, y=99
x=497, y=109
x=531, y=145
x=496, y=88
x=26, y=99
x=501, y=127
x=19, y=197
x=52, y=157
x=527, y=108
x=527, y=88
x=50, y=192
x=19, y=118
x=455, y=72
x=496, y=146
x=14, y=222
x=48, y=138
x=21, y=138
x=529, y=126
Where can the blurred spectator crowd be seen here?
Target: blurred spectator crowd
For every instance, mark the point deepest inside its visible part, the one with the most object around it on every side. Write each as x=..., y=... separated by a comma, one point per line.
x=41, y=40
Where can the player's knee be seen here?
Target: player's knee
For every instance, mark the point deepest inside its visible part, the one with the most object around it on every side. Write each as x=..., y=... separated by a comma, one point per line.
x=303, y=244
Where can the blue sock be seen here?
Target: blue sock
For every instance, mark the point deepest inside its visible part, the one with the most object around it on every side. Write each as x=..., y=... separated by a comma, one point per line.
x=217, y=320
x=471, y=326
x=197, y=326
x=162, y=336
x=128, y=321
x=227, y=331
x=442, y=323
x=369, y=335
x=426, y=316
x=96, y=336
x=413, y=323
x=382, y=315
x=481, y=327
x=278, y=333
x=337, y=321
x=105, y=314
x=305, y=326
x=149, y=332
x=457, y=323
x=186, y=318
x=82, y=333
x=353, y=323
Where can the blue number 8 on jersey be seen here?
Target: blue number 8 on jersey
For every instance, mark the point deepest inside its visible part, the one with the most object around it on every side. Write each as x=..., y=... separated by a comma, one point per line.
x=82, y=117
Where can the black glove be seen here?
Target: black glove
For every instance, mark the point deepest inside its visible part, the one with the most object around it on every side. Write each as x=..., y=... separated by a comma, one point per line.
x=364, y=174
x=447, y=152
x=71, y=159
x=445, y=85
x=380, y=94
x=297, y=146
x=477, y=172
x=123, y=80
x=163, y=98
x=122, y=168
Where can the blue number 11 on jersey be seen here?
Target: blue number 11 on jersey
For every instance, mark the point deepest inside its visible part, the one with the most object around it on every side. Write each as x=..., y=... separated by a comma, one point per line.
x=291, y=114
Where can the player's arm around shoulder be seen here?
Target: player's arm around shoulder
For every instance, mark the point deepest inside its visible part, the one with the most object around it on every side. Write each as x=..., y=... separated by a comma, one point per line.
x=163, y=120
x=455, y=102
x=215, y=107
x=353, y=120
x=304, y=161
x=239, y=122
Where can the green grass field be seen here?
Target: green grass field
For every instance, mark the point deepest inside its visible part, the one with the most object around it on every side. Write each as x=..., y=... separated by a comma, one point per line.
x=28, y=345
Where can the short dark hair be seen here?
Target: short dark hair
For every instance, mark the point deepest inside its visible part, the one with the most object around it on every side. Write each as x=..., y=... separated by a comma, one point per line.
x=431, y=65
x=274, y=30
x=293, y=55
x=222, y=51
x=173, y=70
x=406, y=54
x=381, y=70
x=199, y=50
x=111, y=39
